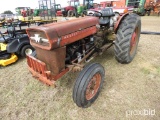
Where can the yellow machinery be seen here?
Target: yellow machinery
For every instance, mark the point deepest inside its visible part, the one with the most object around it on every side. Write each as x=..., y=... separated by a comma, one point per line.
x=12, y=43
x=6, y=61
x=43, y=20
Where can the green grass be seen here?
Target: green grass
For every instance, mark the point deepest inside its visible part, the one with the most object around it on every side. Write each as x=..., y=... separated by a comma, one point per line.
x=145, y=71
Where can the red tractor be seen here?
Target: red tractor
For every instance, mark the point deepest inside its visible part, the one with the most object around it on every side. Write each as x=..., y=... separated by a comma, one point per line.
x=156, y=7
x=65, y=46
x=68, y=10
x=117, y=6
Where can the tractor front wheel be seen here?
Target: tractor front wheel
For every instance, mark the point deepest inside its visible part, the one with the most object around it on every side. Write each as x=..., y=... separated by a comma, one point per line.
x=88, y=85
x=127, y=38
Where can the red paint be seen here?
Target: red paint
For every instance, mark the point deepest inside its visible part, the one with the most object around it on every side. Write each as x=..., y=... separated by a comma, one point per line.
x=118, y=22
x=39, y=71
x=80, y=28
x=93, y=86
x=67, y=39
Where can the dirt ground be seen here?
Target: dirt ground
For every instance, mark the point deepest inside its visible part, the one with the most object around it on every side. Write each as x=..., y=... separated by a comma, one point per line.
x=128, y=90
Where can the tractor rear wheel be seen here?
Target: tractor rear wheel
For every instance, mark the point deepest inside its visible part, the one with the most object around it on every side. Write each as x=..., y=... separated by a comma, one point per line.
x=88, y=85
x=70, y=13
x=127, y=38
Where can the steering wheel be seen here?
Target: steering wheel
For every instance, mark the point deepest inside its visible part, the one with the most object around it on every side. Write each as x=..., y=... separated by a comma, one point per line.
x=98, y=13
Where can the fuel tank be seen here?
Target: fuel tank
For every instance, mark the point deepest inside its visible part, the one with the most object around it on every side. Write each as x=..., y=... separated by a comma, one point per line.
x=54, y=35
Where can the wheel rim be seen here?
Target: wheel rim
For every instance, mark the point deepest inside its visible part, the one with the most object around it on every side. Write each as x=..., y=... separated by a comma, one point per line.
x=134, y=41
x=93, y=86
x=28, y=51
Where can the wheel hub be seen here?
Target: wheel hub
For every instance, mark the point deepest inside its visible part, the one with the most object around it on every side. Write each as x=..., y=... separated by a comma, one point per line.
x=28, y=51
x=133, y=41
x=93, y=86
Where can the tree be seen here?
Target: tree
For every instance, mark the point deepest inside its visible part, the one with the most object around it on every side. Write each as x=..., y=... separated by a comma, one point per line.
x=7, y=12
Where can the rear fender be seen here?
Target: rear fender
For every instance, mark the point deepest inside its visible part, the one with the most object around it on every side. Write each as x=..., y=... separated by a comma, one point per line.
x=16, y=45
x=119, y=21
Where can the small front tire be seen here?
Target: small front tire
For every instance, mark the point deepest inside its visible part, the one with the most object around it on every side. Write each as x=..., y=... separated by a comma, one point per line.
x=88, y=85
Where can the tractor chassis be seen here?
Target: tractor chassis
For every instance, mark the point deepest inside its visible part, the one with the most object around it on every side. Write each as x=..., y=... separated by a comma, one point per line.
x=49, y=79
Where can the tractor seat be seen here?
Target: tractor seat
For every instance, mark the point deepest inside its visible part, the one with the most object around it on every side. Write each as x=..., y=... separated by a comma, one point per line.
x=11, y=32
x=107, y=12
x=104, y=18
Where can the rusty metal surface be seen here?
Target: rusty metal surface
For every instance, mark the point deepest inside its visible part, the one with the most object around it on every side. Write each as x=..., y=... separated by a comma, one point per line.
x=37, y=65
x=54, y=59
x=54, y=31
x=119, y=21
x=41, y=77
x=71, y=26
x=40, y=71
x=56, y=77
x=70, y=38
x=156, y=8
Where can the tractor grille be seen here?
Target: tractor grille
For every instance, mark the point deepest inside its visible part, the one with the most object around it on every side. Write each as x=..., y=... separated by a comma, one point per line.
x=39, y=71
x=36, y=65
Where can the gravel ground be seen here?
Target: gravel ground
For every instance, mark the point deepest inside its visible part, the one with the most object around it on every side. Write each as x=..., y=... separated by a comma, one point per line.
x=127, y=89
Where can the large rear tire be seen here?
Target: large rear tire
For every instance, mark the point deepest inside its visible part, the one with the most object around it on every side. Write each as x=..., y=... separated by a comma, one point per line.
x=127, y=38
x=70, y=13
x=88, y=85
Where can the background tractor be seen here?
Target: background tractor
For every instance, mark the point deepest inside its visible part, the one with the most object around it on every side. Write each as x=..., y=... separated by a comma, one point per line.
x=24, y=11
x=75, y=8
x=141, y=7
x=24, y=15
x=69, y=10
x=46, y=12
x=68, y=45
x=156, y=7
x=117, y=6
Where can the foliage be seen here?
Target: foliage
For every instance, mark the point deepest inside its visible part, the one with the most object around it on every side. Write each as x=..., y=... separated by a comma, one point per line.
x=8, y=12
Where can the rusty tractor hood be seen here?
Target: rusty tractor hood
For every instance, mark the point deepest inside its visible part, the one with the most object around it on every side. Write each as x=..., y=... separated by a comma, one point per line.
x=49, y=36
